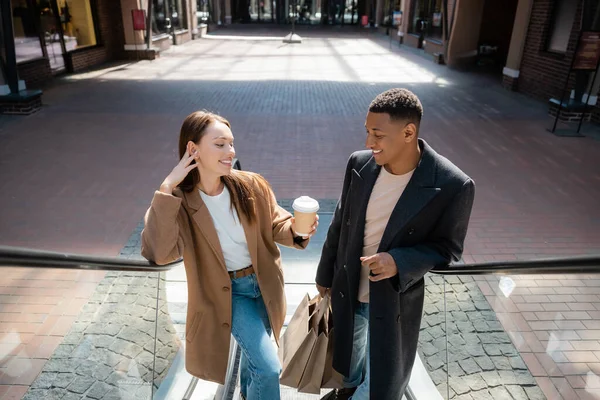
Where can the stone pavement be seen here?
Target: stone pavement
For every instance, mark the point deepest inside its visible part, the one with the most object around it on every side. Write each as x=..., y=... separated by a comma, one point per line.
x=78, y=175
x=118, y=346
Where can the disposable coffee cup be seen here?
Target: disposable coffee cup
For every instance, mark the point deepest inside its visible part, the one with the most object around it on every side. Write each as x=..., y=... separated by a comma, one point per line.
x=305, y=210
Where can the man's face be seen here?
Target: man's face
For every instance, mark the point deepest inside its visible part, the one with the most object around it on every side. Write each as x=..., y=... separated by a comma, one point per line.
x=385, y=137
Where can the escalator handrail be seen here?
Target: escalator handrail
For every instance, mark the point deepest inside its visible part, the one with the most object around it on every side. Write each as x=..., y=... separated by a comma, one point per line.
x=32, y=258
x=26, y=257
x=544, y=266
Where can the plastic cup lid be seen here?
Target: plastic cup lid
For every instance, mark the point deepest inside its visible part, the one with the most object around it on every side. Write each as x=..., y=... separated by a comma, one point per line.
x=305, y=204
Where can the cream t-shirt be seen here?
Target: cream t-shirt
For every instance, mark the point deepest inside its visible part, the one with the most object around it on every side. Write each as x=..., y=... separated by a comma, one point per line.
x=229, y=229
x=386, y=193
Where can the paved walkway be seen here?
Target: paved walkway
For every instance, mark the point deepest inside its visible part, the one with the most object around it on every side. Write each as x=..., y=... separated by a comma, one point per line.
x=78, y=175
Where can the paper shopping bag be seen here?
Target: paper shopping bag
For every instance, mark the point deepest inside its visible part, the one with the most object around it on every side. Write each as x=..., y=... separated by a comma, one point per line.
x=313, y=373
x=299, y=339
x=296, y=343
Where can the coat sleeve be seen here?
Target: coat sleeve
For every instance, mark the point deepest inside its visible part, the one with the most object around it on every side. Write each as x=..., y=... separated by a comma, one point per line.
x=282, y=226
x=444, y=245
x=325, y=269
x=161, y=241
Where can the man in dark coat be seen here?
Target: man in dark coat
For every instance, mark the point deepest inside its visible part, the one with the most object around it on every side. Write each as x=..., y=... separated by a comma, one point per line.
x=404, y=209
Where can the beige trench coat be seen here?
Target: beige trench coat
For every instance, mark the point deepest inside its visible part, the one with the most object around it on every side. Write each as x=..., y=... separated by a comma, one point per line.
x=180, y=225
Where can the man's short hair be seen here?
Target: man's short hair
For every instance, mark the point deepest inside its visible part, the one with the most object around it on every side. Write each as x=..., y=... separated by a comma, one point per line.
x=400, y=104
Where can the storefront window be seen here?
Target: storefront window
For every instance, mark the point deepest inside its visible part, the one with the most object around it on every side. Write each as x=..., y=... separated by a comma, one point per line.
x=434, y=30
x=564, y=17
x=426, y=19
x=77, y=23
x=262, y=10
x=27, y=39
x=178, y=14
x=391, y=6
x=65, y=25
x=51, y=32
x=168, y=15
x=161, y=23
x=203, y=11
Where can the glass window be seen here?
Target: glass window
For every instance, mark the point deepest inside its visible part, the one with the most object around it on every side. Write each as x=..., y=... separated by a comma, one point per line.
x=51, y=30
x=161, y=23
x=178, y=14
x=434, y=24
x=418, y=15
x=27, y=38
x=427, y=19
x=563, y=18
x=168, y=15
x=202, y=11
x=390, y=6
x=77, y=23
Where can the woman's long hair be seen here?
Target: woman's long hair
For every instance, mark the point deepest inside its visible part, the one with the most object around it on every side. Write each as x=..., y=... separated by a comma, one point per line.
x=238, y=183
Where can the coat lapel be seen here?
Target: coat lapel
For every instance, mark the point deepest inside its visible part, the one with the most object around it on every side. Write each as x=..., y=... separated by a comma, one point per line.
x=419, y=192
x=366, y=178
x=203, y=219
x=363, y=183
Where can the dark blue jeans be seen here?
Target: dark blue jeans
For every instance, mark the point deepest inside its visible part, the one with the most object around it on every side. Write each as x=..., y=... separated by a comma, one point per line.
x=359, y=365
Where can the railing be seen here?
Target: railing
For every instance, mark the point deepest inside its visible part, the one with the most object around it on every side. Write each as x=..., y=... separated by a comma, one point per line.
x=475, y=277
x=30, y=258
x=567, y=265
x=526, y=329
x=117, y=328
x=421, y=387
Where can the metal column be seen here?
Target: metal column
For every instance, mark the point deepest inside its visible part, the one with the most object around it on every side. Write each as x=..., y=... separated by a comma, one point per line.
x=12, y=76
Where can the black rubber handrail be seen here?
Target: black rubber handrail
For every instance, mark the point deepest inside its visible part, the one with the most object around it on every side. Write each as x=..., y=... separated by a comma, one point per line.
x=563, y=265
x=24, y=257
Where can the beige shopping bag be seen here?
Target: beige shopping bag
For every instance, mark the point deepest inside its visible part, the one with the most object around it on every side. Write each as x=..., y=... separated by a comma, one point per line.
x=313, y=374
x=299, y=339
x=296, y=343
x=331, y=378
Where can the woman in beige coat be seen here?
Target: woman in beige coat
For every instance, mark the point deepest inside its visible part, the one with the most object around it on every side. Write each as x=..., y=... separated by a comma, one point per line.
x=225, y=224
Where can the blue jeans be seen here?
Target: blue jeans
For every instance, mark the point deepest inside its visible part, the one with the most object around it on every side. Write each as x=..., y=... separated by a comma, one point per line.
x=259, y=365
x=359, y=364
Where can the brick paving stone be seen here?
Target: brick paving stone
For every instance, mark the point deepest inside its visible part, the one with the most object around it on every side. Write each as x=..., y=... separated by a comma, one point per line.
x=481, y=357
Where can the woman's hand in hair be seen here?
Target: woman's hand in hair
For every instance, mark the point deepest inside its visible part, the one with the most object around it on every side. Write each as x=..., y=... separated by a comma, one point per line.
x=179, y=173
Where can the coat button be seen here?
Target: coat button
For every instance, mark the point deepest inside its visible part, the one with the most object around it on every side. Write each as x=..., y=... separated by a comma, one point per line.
x=225, y=325
x=411, y=231
x=225, y=289
x=341, y=295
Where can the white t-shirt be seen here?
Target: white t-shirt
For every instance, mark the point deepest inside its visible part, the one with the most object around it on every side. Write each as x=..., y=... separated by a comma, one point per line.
x=386, y=193
x=229, y=229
